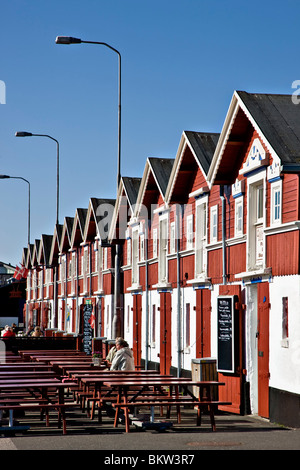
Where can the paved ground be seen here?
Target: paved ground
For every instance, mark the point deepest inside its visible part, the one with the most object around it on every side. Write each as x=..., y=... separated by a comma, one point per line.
x=233, y=433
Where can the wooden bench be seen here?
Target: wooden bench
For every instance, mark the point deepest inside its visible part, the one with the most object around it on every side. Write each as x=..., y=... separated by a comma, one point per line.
x=43, y=407
x=211, y=405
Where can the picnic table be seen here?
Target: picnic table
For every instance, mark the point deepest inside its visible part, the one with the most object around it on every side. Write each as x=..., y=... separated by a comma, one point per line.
x=158, y=397
x=92, y=386
x=42, y=399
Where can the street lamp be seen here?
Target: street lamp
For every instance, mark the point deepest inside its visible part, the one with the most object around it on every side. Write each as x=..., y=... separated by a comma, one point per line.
x=29, y=134
x=117, y=305
x=70, y=40
x=2, y=177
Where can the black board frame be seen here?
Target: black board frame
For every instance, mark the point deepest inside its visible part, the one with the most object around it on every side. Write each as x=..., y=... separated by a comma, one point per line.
x=226, y=314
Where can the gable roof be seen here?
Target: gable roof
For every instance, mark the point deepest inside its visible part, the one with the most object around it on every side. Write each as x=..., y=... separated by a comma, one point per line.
x=99, y=215
x=78, y=227
x=278, y=119
x=24, y=256
x=202, y=146
x=28, y=264
x=66, y=235
x=131, y=188
x=56, y=240
x=128, y=188
x=157, y=172
x=161, y=169
x=275, y=118
x=45, y=249
x=35, y=253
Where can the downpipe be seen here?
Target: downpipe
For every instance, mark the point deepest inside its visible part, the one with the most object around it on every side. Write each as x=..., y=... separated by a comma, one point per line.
x=223, y=234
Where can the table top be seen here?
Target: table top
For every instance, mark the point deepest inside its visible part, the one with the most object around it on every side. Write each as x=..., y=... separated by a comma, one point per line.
x=28, y=380
x=37, y=384
x=26, y=373
x=67, y=368
x=91, y=372
x=164, y=381
x=27, y=366
x=70, y=361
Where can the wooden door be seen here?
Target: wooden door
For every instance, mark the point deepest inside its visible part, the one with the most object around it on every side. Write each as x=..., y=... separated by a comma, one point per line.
x=137, y=329
x=263, y=348
x=165, y=332
x=203, y=330
x=232, y=391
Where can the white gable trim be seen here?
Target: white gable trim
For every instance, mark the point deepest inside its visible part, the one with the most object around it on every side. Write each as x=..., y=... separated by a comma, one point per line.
x=235, y=105
x=183, y=144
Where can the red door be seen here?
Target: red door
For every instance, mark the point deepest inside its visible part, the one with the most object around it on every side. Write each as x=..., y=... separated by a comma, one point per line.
x=165, y=332
x=263, y=348
x=137, y=328
x=203, y=314
x=232, y=391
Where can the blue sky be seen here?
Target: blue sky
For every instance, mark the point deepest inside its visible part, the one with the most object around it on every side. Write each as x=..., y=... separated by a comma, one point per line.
x=181, y=62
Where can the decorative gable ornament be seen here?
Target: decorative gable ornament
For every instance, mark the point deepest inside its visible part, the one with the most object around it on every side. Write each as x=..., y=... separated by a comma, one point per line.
x=257, y=158
x=274, y=171
x=238, y=188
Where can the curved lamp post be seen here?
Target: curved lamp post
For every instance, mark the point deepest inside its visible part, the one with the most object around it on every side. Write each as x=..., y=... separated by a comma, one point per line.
x=29, y=134
x=2, y=177
x=117, y=309
x=71, y=40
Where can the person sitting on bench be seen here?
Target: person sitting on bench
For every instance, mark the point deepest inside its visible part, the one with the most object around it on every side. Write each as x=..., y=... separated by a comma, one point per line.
x=123, y=359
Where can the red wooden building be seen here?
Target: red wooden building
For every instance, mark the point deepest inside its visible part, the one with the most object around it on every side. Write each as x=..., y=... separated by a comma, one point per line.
x=198, y=259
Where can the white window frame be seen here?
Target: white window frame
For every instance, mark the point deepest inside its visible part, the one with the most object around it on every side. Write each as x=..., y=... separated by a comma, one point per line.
x=85, y=268
x=104, y=258
x=40, y=284
x=73, y=272
x=276, y=187
x=239, y=217
x=142, y=247
x=135, y=256
x=163, y=249
x=96, y=251
x=201, y=236
x=154, y=249
x=63, y=274
x=214, y=224
x=100, y=267
x=128, y=247
x=190, y=232
x=256, y=223
x=172, y=238
x=48, y=281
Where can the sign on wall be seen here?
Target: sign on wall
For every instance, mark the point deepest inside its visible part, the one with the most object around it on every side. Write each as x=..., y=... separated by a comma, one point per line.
x=225, y=318
x=87, y=328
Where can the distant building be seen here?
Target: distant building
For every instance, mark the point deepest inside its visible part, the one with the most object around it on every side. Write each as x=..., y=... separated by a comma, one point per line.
x=6, y=272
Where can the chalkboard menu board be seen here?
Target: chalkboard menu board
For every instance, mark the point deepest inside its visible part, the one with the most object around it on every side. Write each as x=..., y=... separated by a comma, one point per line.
x=225, y=361
x=87, y=329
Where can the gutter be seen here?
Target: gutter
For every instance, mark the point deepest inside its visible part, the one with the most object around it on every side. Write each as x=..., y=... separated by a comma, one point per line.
x=147, y=300
x=223, y=234
x=179, y=339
